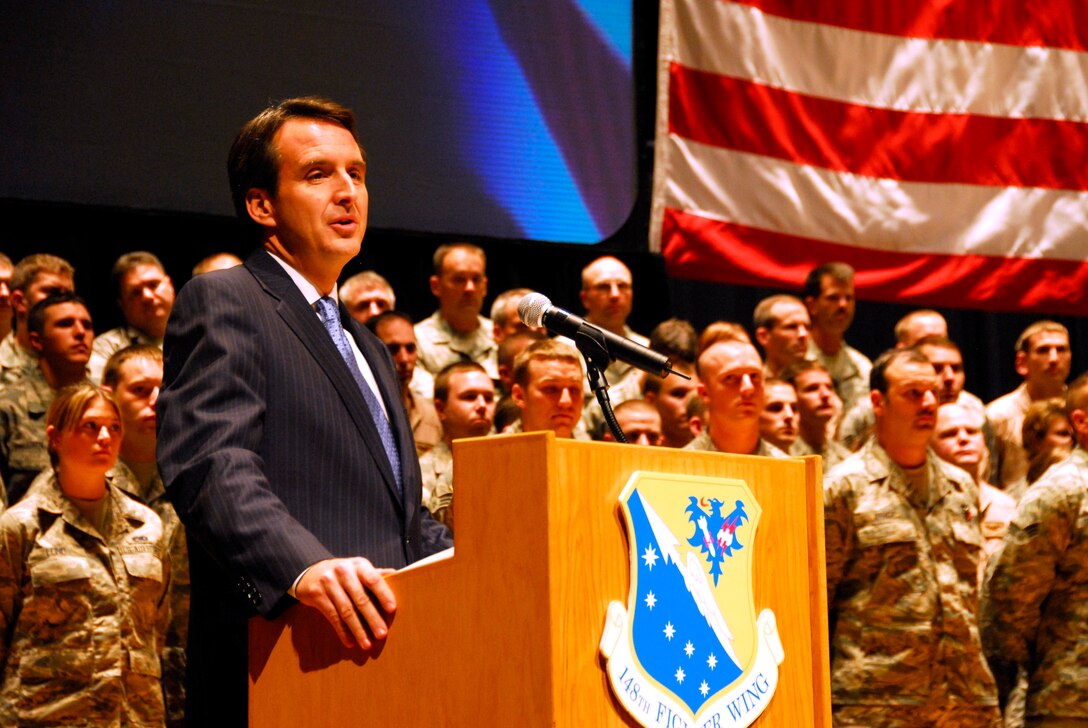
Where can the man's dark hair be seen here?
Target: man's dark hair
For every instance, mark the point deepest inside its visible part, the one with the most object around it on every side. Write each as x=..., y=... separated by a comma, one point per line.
x=877, y=380
x=442, y=379
x=111, y=375
x=695, y=405
x=790, y=373
x=507, y=413
x=511, y=346
x=375, y=321
x=652, y=383
x=35, y=320
x=841, y=272
x=254, y=161
x=676, y=339
x=127, y=262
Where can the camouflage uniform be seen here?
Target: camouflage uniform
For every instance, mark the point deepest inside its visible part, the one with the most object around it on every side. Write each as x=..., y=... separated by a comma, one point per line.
x=439, y=345
x=927, y=716
x=426, y=427
x=902, y=590
x=1006, y=414
x=703, y=443
x=833, y=452
x=996, y=508
x=422, y=384
x=23, y=451
x=1034, y=608
x=437, y=469
x=177, y=635
x=435, y=464
x=627, y=388
x=107, y=344
x=849, y=370
x=14, y=359
x=82, y=616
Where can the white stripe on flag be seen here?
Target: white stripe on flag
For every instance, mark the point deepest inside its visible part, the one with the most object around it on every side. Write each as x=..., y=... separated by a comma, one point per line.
x=880, y=214
x=906, y=74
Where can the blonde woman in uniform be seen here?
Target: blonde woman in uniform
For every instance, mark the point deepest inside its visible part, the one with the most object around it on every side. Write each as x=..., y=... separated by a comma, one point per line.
x=83, y=583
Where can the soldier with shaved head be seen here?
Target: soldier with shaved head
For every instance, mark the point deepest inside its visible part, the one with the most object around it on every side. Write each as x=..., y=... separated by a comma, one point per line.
x=731, y=381
x=608, y=295
x=921, y=324
x=639, y=422
x=547, y=389
x=778, y=421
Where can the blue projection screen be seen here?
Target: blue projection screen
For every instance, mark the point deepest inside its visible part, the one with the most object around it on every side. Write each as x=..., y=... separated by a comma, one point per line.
x=480, y=118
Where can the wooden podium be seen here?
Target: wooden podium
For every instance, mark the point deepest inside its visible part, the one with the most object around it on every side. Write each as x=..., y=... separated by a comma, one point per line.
x=505, y=632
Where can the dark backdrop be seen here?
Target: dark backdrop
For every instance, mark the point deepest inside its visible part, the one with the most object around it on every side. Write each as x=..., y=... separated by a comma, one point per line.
x=93, y=236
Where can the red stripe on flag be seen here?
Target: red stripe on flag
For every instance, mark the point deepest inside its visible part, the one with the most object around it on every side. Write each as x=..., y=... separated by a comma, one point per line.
x=916, y=147
x=1053, y=23
x=712, y=250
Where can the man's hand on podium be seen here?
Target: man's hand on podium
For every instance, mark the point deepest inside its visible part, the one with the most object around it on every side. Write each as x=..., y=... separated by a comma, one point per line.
x=344, y=589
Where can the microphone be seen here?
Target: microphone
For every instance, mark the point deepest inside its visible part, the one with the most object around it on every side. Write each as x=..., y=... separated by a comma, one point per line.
x=535, y=309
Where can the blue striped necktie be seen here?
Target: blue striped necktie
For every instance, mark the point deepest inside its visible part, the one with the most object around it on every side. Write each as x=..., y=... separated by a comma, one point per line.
x=330, y=316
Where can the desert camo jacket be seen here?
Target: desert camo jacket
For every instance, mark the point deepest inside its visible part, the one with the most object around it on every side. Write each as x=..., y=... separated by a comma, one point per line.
x=1034, y=607
x=177, y=635
x=902, y=586
x=436, y=465
x=439, y=345
x=23, y=451
x=83, y=616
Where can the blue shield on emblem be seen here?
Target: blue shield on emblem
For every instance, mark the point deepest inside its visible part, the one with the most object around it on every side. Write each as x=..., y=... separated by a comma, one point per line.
x=679, y=646
x=688, y=644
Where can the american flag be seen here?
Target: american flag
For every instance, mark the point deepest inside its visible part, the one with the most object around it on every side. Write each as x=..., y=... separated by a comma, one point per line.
x=939, y=147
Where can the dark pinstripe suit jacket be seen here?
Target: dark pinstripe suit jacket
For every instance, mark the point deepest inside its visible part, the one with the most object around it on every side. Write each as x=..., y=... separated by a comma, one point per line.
x=272, y=460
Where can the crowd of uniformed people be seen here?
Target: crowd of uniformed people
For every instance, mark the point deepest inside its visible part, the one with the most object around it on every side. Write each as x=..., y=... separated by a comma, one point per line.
x=956, y=531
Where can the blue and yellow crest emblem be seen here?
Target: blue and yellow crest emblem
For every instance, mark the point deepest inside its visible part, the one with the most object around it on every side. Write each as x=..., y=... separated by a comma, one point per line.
x=688, y=648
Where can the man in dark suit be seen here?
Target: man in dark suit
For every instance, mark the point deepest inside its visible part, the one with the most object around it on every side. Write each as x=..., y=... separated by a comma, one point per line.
x=283, y=443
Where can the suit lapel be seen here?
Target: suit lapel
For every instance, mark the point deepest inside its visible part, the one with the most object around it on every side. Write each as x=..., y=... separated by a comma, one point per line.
x=304, y=323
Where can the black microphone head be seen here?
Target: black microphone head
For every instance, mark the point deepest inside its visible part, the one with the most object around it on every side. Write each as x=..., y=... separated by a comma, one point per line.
x=531, y=308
